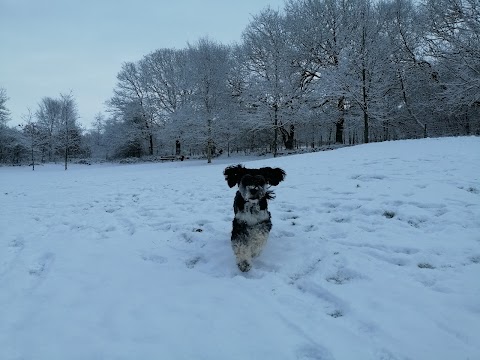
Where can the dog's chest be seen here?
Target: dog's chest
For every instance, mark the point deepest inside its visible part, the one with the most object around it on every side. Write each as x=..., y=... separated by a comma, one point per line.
x=252, y=213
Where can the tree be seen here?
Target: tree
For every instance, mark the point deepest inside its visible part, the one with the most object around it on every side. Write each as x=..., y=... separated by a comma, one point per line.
x=275, y=88
x=96, y=137
x=31, y=133
x=165, y=76
x=48, y=122
x=134, y=103
x=69, y=133
x=453, y=40
x=12, y=142
x=408, y=79
x=58, y=131
x=319, y=32
x=168, y=83
x=4, y=112
x=4, y=117
x=209, y=62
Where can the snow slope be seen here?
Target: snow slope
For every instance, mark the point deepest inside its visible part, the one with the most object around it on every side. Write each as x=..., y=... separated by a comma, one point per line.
x=374, y=254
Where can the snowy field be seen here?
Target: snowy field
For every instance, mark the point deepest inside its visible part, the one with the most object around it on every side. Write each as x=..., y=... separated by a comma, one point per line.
x=374, y=254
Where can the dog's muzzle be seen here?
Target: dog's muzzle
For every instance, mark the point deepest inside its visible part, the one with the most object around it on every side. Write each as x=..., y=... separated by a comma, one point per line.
x=255, y=192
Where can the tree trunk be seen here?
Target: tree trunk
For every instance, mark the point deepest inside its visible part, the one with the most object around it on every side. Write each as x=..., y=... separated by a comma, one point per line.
x=150, y=145
x=288, y=137
x=177, y=148
x=66, y=141
x=209, y=140
x=365, y=106
x=407, y=105
x=364, y=81
x=340, y=124
x=275, y=124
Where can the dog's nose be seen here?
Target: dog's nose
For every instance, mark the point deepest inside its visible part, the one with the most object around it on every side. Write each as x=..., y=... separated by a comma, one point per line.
x=253, y=190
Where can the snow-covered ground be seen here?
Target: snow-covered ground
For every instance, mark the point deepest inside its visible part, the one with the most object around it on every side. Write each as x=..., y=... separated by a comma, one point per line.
x=374, y=254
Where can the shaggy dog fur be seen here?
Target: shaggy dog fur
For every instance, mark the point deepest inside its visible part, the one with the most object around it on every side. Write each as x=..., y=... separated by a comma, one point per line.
x=252, y=222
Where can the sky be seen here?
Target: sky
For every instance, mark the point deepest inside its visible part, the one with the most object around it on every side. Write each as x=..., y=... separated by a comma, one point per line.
x=51, y=47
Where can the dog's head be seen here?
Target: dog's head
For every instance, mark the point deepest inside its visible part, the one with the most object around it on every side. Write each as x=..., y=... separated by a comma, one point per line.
x=253, y=183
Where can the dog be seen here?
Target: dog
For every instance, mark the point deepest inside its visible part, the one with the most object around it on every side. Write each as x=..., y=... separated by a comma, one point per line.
x=252, y=221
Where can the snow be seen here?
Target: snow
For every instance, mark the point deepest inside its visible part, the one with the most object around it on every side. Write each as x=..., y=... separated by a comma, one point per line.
x=374, y=254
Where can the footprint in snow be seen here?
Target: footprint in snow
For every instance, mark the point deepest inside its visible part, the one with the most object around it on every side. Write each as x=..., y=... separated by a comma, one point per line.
x=154, y=258
x=306, y=271
x=393, y=260
x=289, y=216
x=405, y=250
x=283, y=233
x=343, y=276
x=367, y=178
x=313, y=352
x=341, y=219
x=43, y=266
x=475, y=259
x=192, y=262
x=309, y=228
x=17, y=243
x=15, y=248
x=332, y=305
x=384, y=354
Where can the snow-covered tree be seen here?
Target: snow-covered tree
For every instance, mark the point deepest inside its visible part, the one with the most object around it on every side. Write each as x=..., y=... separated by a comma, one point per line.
x=48, y=122
x=31, y=137
x=134, y=103
x=69, y=132
x=95, y=137
x=318, y=31
x=274, y=90
x=210, y=67
x=59, y=134
x=4, y=112
x=167, y=80
x=453, y=39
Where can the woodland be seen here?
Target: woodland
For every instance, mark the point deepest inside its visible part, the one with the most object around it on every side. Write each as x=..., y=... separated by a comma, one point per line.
x=316, y=73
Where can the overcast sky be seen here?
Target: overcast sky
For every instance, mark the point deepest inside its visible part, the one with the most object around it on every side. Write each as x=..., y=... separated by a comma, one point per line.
x=48, y=47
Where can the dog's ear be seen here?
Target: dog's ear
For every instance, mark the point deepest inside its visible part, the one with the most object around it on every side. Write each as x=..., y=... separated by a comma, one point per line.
x=273, y=176
x=233, y=174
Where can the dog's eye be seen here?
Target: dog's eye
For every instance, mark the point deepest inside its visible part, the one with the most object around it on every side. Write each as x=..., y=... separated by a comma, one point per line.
x=259, y=180
x=248, y=180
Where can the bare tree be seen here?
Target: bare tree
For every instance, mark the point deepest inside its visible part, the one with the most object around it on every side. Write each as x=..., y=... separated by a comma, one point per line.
x=209, y=62
x=319, y=32
x=48, y=122
x=453, y=39
x=11, y=142
x=168, y=83
x=131, y=94
x=276, y=89
x=4, y=112
x=30, y=130
x=69, y=131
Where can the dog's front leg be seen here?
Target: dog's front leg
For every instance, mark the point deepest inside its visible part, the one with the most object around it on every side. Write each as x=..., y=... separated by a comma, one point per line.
x=243, y=255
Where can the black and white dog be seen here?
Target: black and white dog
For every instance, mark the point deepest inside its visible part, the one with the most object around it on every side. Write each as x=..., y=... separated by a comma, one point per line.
x=252, y=222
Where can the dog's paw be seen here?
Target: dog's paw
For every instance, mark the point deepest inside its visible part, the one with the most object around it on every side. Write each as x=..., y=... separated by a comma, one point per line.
x=244, y=266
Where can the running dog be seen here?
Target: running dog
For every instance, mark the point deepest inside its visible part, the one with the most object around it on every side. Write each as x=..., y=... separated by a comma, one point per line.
x=252, y=222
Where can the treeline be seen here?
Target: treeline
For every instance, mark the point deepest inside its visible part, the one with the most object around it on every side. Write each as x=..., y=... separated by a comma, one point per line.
x=51, y=134
x=318, y=72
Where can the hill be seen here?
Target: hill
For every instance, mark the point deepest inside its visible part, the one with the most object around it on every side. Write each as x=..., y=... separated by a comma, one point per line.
x=374, y=254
